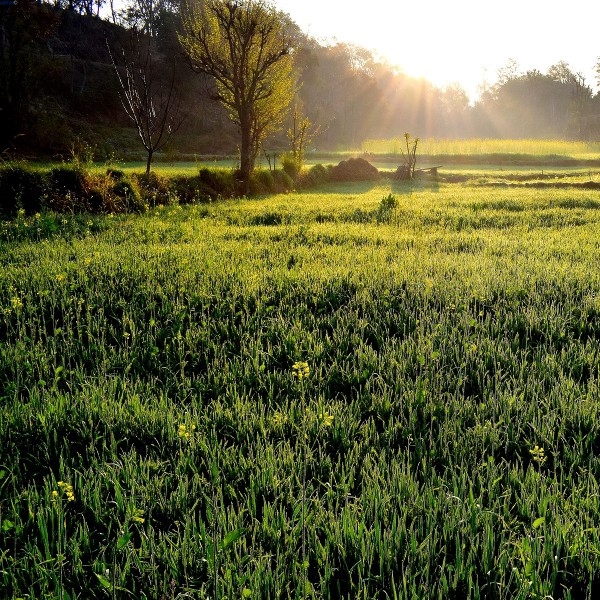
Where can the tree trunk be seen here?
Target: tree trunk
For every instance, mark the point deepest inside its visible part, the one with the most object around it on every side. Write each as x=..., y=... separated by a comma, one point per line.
x=149, y=162
x=246, y=158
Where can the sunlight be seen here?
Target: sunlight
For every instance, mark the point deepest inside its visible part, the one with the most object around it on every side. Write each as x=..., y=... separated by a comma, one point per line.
x=463, y=42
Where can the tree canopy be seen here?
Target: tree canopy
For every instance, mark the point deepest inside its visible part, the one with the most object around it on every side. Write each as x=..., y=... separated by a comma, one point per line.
x=245, y=47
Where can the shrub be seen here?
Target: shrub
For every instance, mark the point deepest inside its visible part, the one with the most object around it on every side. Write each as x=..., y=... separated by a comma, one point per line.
x=290, y=164
x=189, y=189
x=155, y=189
x=20, y=188
x=208, y=185
x=282, y=181
x=69, y=189
x=221, y=181
x=123, y=194
x=316, y=175
x=112, y=192
x=386, y=209
x=262, y=182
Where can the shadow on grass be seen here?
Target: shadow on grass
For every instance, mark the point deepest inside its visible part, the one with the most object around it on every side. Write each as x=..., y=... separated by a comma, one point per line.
x=416, y=185
x=343, y=187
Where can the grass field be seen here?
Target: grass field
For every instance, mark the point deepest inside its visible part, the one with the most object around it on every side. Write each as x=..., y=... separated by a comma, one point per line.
x=480, y=154
x=160, y=436
x=468, y=147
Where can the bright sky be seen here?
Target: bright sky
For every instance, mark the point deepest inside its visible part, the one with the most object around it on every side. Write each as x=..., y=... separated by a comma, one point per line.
x=460, y=41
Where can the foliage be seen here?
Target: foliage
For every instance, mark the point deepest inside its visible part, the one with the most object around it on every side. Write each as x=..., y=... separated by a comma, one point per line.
x=386, y=209
x=123, y=194
x=21, y=187
x=246, y=49
x=290, y=164
x=154, y=188
x=301, y=132
x=315, y=175
x=70, y=189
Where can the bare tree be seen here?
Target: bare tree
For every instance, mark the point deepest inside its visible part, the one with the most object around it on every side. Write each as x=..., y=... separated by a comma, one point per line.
x=301, y=132
x=150, y=99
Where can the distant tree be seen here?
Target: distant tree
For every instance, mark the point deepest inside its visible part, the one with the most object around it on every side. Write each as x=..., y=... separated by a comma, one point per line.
x=148, y=93
x=244, y=45
x=299, y=134
x=508, y=72
x=83, y=7
x=561, y=72
x=146, y=16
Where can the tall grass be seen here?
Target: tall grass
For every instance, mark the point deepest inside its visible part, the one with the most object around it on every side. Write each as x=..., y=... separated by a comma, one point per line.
x=147, y=368
x=436, y=147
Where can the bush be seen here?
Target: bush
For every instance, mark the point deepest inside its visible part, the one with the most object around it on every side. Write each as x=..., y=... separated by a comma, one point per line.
x=221, y=181
x=155, y=189
x=290, y=164
x=282, y=181
x=123, y=194
x=316, y=175
x=20, y=188
x=387, y=207
x=262, y=182
x=189, y=189
x=69, y=190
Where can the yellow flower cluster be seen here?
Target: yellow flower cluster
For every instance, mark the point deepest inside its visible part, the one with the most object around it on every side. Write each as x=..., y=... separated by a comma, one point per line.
x=537, y=453
x=326, y=418
x=184, y=431
x=300, y=370
x=137, y=516
x=66, y=489
x=279, y=419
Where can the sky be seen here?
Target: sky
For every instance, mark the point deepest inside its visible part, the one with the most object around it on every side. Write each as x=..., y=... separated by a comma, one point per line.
x=460, y=41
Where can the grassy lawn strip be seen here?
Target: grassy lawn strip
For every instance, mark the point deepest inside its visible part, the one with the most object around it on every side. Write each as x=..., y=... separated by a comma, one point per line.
x=441, y=441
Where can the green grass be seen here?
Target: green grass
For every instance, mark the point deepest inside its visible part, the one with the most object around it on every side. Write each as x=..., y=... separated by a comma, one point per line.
x=483, y=146
x=448, y=335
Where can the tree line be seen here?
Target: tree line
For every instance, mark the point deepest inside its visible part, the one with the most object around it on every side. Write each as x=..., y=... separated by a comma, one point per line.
x=59, y=86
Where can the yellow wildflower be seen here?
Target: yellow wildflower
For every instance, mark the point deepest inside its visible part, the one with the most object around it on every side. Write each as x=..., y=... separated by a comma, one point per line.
x=183, y=431
x=300, y=370
x=326, y=418
x=279, y=419
x=537, y=454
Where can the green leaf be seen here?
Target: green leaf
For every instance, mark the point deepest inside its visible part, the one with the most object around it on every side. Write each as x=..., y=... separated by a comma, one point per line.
x=104, y=582
x=231, y=537
x=2, y=473
x=246, y=593
x=123, y=541
x=210, y=552
x=539, y=521
x=7, y=525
